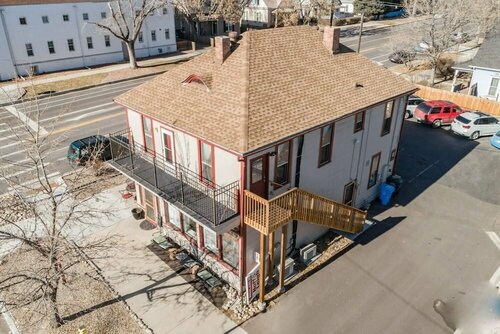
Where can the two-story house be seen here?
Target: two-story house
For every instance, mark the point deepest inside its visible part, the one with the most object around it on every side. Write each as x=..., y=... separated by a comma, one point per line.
x=52, y=35
x=259, y=14
x=283, y=130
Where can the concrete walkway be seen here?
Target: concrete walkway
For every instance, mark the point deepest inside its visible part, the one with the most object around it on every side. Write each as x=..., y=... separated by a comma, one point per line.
x=175, y=306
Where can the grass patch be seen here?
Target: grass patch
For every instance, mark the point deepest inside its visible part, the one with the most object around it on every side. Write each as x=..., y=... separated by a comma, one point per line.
x=63, y=85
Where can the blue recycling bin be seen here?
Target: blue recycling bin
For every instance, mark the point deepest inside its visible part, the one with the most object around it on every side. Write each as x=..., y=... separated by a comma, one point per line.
x=385, y=193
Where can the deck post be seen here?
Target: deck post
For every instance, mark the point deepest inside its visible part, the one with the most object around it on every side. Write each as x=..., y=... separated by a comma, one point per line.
x=283, y=257
x=270, y=263
x=182, y=188
x=154, y=172
x=214, y=206
x=262, y=268
x=131, y=157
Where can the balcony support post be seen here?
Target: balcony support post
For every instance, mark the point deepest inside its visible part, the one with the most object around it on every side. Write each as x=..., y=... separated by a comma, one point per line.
x=262, y=269
x=154, y=172
x=270, y=262
x=283, y=257
x=131, y=155
x=214, y=206
x=182, y=188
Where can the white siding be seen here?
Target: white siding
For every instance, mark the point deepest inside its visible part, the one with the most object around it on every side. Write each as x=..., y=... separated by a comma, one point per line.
x=482, y=78
x=227, y=167
x=59, y=31
x=135, y=123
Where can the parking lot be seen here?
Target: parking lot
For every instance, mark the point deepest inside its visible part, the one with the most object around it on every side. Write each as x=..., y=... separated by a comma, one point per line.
x=434, y=242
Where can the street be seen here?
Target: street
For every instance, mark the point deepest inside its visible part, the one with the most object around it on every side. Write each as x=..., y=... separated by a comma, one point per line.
x=436, y=241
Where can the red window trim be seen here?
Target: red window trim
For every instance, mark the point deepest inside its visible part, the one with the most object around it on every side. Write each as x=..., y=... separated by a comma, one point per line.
x=172, y=141
x=153, y=153
x=382, y=133
x=330, y=149
x=362, y=121
x=277, y=185
x=379, y=154
x=200, y=164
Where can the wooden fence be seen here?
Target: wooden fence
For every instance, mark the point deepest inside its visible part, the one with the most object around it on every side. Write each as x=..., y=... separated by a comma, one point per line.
x=464, y=101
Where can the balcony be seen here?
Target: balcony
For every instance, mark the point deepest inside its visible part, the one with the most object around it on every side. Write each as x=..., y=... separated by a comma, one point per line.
x=268, y=215
x=210, y=204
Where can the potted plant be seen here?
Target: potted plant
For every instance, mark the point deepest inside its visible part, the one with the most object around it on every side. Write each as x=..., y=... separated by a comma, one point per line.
x=138, y=213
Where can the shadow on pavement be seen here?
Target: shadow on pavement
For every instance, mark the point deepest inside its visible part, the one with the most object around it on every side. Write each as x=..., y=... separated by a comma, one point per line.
x=379, y=228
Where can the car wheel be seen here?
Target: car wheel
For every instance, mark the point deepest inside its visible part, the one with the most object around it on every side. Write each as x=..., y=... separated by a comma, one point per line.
x=437, y=123
x=474, y=135
x=407, y=114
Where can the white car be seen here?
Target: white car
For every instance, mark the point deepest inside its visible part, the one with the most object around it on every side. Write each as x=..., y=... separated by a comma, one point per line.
x=475, y=124
x=413, y=102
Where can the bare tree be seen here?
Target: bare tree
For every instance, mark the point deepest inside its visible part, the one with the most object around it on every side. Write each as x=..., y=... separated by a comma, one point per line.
x=232, y=10
x=126, y=19
x=56, y=219
x=198, y=10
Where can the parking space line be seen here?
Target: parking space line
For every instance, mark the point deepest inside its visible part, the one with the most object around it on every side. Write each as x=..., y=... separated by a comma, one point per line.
x=495, y=278
x=494, y=237
x=25, y=119
x=424, y=171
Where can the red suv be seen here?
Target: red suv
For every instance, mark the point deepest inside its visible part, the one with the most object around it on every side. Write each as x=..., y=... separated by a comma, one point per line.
x=437, y=113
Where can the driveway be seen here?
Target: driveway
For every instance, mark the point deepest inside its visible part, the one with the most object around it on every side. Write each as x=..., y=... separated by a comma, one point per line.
x=431, y=244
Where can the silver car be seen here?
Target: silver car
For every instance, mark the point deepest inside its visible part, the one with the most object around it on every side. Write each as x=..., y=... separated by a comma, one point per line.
x=413, y=102
x=475, y=124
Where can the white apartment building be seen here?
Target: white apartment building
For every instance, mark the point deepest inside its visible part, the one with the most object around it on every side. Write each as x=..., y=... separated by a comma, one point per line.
x=53, y=35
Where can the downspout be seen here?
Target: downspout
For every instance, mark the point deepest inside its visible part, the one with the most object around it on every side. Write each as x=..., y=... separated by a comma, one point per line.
x=75, y=11
x=243, y=232
x=9, y=45
x=298, y=160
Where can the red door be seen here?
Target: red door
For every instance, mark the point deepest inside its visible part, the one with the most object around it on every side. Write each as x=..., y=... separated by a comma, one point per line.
x=259, y=176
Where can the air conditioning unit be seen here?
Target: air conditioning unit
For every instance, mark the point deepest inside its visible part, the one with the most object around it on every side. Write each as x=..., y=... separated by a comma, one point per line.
x=289, y=267
x=307, y=253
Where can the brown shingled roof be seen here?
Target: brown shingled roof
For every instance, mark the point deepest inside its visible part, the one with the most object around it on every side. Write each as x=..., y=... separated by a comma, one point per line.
x=278, y=82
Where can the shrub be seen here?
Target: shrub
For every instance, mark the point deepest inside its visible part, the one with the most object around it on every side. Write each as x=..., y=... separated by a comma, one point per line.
x=340, y=22
x=353, y=20
x=444, y=67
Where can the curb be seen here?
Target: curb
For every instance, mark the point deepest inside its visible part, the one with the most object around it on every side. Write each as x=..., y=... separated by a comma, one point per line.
x=40, y=97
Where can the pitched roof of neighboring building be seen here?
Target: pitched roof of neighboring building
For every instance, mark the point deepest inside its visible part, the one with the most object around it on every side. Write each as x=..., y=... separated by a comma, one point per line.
x=488, y=55
x=276, y=83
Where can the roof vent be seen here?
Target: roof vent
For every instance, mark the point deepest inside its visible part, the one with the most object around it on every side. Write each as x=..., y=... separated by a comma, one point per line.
x=196, y=79
x=358, y=85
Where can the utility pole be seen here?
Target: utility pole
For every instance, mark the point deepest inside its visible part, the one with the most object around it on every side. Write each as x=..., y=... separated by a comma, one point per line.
x=360, y=31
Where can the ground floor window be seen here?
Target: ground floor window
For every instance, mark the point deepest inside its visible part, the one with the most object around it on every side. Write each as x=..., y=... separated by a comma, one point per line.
x=189, y=227
x=210, y=240
x=174, y=218
x=150, y=201
x=230, y=249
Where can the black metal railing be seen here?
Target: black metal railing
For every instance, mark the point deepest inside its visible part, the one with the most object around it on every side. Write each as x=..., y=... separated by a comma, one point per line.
x=174, y=181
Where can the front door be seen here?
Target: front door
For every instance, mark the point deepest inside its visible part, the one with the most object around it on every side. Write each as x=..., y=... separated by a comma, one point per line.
x=259, y=175
x=150, y=206
x=349, y=193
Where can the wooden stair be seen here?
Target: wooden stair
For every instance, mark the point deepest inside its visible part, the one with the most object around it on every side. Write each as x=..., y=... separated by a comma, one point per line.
x=266, y=216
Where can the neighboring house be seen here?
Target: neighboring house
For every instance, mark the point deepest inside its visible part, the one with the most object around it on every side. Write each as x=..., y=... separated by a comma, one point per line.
x=202, y=30
x=273, y=132
x=52, y=35
x=259, y=14
x=485, y=68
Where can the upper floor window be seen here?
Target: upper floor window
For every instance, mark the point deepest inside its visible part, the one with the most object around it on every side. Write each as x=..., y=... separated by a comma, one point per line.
x=50, y=45
x=257, y=17
x=153, y=35
x=90, y=44
x=85, y=16
x=165, y=11
x=325, y=145
x=45, y=19
x=65, y=17
x=140, y=37
x=147, y=127
x=359, y=121
x=71, y=45
x=29, y=50
x=22, y=20
x=107, y=41
x=103, y=15
x=386, y=125
x=206, y=162
x=167, y=33
x=282, y=168
x=494, y=84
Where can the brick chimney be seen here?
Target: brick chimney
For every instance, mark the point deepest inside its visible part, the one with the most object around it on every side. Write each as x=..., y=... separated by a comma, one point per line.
x=331, y=37
x=222, y=48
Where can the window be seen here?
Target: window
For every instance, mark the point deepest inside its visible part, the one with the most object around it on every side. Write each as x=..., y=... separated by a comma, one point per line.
x=167, y=148
x=386, y=124
x=65, y=17
x=165, y=11
x=230, y=249
x=167, y=33
x=22, y=20
x=257, y=17
x=153, y=35
x=173, y=216
x=107, y=41
x=214, y=28
x=90, y=45
x=210, y=240
x=45, y=19
x=71, y=45
x=149, y=203
x=325, y=147
x=349, y=193
x=359, y=121
x=140, y=37
x=372, y=179
x=282, y=168
x=103, y=15
x=189, y=226
x=228, y=27
x=29, y=50
x=435, y=110
x=147, y=126
x=50, y=45
x=495, y=82
x=85, y=16
x=446, y=110
x=206, y=154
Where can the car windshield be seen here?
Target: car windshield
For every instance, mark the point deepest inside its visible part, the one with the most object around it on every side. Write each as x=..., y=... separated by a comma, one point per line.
x=72, y=150
x=424, y=107
x=462, y=119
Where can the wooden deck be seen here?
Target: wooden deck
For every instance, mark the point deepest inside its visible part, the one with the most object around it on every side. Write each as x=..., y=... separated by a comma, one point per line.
x=266, y=216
